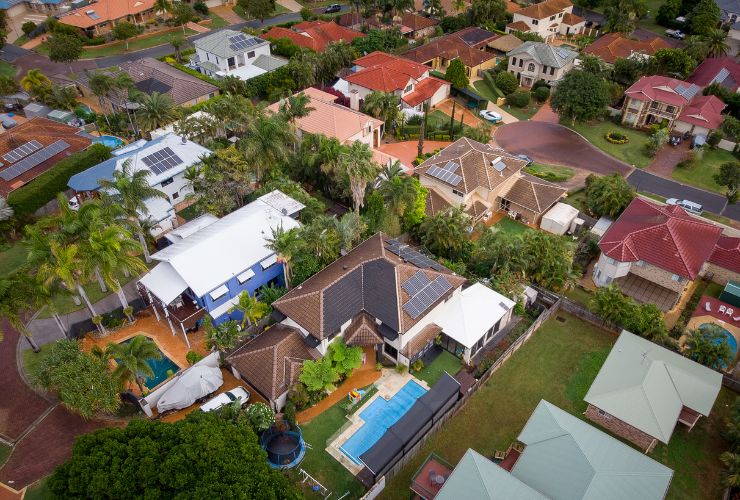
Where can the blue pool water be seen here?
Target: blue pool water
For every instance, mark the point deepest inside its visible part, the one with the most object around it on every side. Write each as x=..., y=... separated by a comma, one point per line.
x=730, y=338
x=378, y=417
x=160, y=367
x=109, y=141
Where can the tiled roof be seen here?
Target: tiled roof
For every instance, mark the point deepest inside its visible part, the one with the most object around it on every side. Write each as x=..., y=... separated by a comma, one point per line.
x=518, y=26
x=613, y=46
x=572, y=19
x=535, y=194
x=217, y=43
x=385, y=72
x=664, y=236
x=505, y=43
x=474, y=162
x=545, y=54
x=704, y=111
x=449, y=6
x=722, y=70
x=363, y=331
x=662, y=89
x=434, y=202
x=512, y=7
x=314, y=35
x=104, y=11
x=151, y=75
x=477, y=209
x=726, y=253
x=417, y=22
x=449, y=47
x=368, y=279
x=424, y=90
x=544, y=9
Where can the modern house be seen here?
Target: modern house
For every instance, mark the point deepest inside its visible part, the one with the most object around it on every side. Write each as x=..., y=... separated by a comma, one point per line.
x=560, y=457
x=314, y=35
x=212, y=261
x=547, y=19
x=653, y=252
x=99, y=17
x=468, y=45
x=383, y=72
x=534, y=61
x=232, y=53
x=484, y=179
x=34, y=147
x=722, y=70
x=166, y=158
x=613, y=46
x=643, y=390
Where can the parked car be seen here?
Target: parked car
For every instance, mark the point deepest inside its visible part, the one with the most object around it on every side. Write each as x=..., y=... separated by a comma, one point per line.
x=330, y=9
x=491, y=116
x=225, y=398
x=676, y=34
x=687, y=205
x=525, y=158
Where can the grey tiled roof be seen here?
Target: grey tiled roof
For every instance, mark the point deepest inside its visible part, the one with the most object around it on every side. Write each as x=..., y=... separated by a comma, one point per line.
x=269, y=63
x=545, y=54
x=217, y=43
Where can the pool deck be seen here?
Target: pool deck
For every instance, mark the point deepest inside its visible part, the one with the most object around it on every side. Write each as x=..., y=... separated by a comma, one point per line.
x=389, y=383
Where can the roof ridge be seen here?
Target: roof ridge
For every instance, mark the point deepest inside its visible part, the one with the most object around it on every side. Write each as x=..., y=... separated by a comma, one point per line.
x=647, y=399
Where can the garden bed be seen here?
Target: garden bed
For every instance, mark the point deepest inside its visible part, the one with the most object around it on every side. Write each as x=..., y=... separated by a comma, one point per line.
x=552, y=173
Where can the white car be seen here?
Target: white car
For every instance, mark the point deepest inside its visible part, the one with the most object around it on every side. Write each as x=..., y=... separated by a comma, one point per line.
x=689, y=206
x=491, y=116
x=676, y=34
x=226, y=398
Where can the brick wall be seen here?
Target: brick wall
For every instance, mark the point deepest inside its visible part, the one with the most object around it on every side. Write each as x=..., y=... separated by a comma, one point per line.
x=719, y=274
x=620, y=428
x=659, y=276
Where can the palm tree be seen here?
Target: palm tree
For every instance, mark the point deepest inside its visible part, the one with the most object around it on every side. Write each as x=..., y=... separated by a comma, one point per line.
x=162, y=6
x=177, y=42
x=267, y=143
x=252, y=309
x=350, y=228
x=382, y=105
x=296, y=106
x=321, y=238
x=234, y=111
x=715, y=43
x=445, y=233
x=131, y=359
x=6, y=211
x=397, y=190
x=286, y=244
x=459, y=5
x=130, y=189
x=101, y=84
x=356, y=162
x=37, y=84
x=731, y=474
x=156, y=110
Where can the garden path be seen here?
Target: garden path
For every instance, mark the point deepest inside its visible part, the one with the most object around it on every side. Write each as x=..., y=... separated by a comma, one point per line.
x=546, y=114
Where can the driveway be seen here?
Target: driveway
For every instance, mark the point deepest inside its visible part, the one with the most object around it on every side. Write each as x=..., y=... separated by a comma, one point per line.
x=505, y=115
x=554, y=144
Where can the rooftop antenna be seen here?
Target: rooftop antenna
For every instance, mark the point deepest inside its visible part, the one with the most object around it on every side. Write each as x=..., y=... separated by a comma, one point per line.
x=644, y=357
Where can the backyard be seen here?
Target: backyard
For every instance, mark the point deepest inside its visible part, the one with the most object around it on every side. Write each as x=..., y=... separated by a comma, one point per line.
x=633, y=152
x=702, y=173
x=507, y=225
x=558, y=364
x=445, y=362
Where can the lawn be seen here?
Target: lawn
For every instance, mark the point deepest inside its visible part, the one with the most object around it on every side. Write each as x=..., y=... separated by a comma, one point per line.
x=507, y=225
x=4, y=453
x=120, y=47
x=485, y=90
x=648, y=22
x=39, y=490
x=12, y=258
x=445, y=362
x=32, y=360
x=552, y=173
x=632, y=152
x=559, y=364
x=217, y=21
x=701, y=175
x=7, y=69
x=580, y=295
x=713, y=290
x=437, y=120
x=21, y=40
x=523, y=113
x=577, y=199
x=322, y=466
x=189, y=213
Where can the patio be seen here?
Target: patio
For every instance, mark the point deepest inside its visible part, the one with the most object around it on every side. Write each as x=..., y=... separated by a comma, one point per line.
x=647, y=292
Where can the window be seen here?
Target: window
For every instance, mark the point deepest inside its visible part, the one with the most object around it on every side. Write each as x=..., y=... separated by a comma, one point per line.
x=530, y=67
x=250, y=55
x=513, y=61
x=552, y=71
x=654, y=105
x=175, y=196
x=544, y=69
x=552, y=18
x=676, y=278
x=167, y=182
x=458, y=193
x=611, y=261
x=245, y=276
x=535, y=22
x=670, y=109
x=640, y=263
x=604, y=414
x=408, y=88
x=560, y=15
x=521, y=63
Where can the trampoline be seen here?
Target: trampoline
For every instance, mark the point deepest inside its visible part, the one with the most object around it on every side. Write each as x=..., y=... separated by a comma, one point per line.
x=284, y=445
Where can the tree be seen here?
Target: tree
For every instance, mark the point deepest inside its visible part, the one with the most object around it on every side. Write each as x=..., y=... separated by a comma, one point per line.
x=101, y=84
x=621, y=15
x=729, y=176
x=657, y=140
x=610, y=304
x=125, y=30
x=397, y=189
x=200, y=7
x=382, y=105
x=673, y=62
x=82, y=382
x=357, y=165
x=608, y=195
x=415, y=212
x=549, y=260
x=182, y=13
x=65, y=49
x=267, y=143
x=708, y=345
x=731, y=472
x=715, y=43
x=203, y=456
x=260, y=416
x=8, y=85
x=28, y=27
x=487, y=11
x=258, y=9
x=296, y=106
x=346, y=359
x=456, y=75
x=704, y=17
x=156, y=110
x=131, y=360
x=731, y=128
x=580, y=96
x=627, y=71
x=177, y=41
x=223, y=181
x=37, y=84
x=251, y=308
x=17, y=293
x=222, y=337
x=667, y=12
x=336, y=55
x=506, y=82
x=349, y=228
x=286, y=244
x=446, y=233
x=162, y=6
x=319, y=375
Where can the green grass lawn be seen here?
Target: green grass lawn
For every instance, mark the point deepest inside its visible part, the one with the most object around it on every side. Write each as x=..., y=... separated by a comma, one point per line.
x=577, y=199
x=510, y=226
x=713, y=289
x=552, y=173
x=701, y=175
x=648, y=22
x=12, y=258
x=439, y=121
x=632, y=152
x=559, y=364
x=39, y=490
x=32, y=360
x=319, y=463
x=445, y=362
x=21, y=40
x=523, y=113
x=120, y=47
x=485, y=90
x=580, y=295
x=4, y=453
x=7, y=69
x=217, y=21
x=188, y=213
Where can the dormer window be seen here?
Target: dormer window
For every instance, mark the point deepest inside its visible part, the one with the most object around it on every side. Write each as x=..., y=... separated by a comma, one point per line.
x=535, y=22
x=408, y=88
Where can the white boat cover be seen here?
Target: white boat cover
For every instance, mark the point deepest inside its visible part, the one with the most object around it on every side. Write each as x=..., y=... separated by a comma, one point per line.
x=193, y=384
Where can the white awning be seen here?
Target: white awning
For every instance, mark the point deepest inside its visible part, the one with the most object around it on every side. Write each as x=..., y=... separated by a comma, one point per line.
x=224, y=308
x=246, y=275
x=219, y=292
x=164, y=282
x=269, y=261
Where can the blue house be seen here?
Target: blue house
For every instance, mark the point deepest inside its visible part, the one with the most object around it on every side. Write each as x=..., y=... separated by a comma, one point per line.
x=211, y=261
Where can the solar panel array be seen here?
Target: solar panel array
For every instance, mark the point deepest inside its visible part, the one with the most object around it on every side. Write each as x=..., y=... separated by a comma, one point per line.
x=564, y=53
x=447, y=173
x=723, y=73
x=416, y=283
x=22, y=151
x=427, y=296
x=687, y=91
x=242, y=41
x=33, y=160
x=162, y=160
x=412, y=256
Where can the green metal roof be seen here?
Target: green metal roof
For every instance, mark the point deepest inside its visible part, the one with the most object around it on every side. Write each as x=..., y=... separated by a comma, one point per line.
x=646, y=385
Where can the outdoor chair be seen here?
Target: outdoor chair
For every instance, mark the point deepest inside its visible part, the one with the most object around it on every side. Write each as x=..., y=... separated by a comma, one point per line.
x=499, y=455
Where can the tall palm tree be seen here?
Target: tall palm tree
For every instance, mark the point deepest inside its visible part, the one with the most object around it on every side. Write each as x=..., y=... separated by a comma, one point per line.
x=156, y=110
x=350, y=228
x=6, y=211
x=130, y=189
x=286, y=244
x=715, y=43
x=37, y=84
x=397, y=190
x=252, y=309
x=356, y=162
x=296, y=106
x=235, y=112
x=131, y=359
x=177, y=41
x=123, y=87
x=267, y=143
x=321, y=238
x=101, y=84
x=446, y=234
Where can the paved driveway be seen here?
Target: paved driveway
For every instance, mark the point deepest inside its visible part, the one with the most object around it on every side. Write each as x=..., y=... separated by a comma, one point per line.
x=555, y=144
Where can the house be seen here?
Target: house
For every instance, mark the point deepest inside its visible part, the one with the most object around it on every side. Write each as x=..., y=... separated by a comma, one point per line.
x=701, y=116
x=729, y=13
x=390, y=297
x=547, y=19
x=167, y=158
x=100, y=17
x=468, y=45
x=722, y=70
x=450, y=7
x=383, y=72
x=34, y=147
x=534, y=61
x=560, y=457
x=653, y=252
x=613, y=46
x=212, y=261
x=17, y=8
x=643, y=390
x=484, y=179
x=415, y=26
x=232, y=53
x=314, y=35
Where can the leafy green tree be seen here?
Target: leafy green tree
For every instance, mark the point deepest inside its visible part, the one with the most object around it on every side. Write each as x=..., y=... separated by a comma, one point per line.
x=592, y=64
x=580, y=96
x=715, y=43
x=131, y=360
x=709, y=346
x=731, y=128
x=611, y=304
x=64, y=49
x=223, y=181
x=622, y=15
x=487, y=11
x=319, y=375
x=456, y=75
x=345, y=359
x=657, y=140
x=519, y=99
x=336, y=55
x=125, y=30
x=446, y=233
x=252, y=309
x=258, y=9
x=28, y=27
x=506, y=82
x=222, y=337
x=627, y=71
x=17, y=293
x=667, y=12
x=203, y=456
x=729, y=177
x=415, y=212
x=608, y=195
x=550, y=260
x=267, y=143
x=82, y=382
x=384, y=40
x=704, y=17
x=647, y=320
x=322, y=239
x=182, y=13
x=8, y=85
x=260, y=416
x=673, y=62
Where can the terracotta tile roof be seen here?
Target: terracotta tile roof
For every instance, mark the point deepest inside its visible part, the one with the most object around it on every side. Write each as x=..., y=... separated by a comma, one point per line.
x=512, y=7
x=518, y=26
x=421, y=339
x=434, y=202
x=662, y=89
x=363, y=331
x=704, y=111
x=374, y=58
x=449, y=47
x=417, y=22
x=726, y=253
x=368, y=279
x=474, y=161
x=424, y=90
x=664, y=236
x=151, y=75
x=46, y=132
x=505, y=43
x=330, y=118
x=535, y=194
x=545, y=9
x=613, y=46
x=723, y=70
x=572, y=19
x=385, y=72
x=272, y=361
x=104, y=11
x=315, y=35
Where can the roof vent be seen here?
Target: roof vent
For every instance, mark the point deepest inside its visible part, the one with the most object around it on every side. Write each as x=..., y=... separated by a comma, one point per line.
x=183, y=140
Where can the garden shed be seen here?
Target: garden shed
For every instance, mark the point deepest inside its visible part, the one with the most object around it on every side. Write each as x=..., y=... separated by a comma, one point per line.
x=559, y=218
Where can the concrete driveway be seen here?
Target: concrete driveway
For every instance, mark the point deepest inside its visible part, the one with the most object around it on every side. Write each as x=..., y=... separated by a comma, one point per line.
x=507, y=117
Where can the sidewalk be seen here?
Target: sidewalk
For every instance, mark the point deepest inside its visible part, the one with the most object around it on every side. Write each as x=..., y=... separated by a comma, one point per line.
x=291, y=5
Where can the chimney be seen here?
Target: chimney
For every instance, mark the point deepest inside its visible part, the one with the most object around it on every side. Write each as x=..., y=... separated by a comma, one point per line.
x=354, y=100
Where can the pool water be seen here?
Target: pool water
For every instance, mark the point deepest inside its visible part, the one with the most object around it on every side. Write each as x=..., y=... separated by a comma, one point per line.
x=378, y=417
x=110, y=141
x=160, y=367
x=729, y=337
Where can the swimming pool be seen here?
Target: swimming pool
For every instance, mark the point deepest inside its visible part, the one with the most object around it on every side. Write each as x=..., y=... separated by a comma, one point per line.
x=729, y=337
x=378, y=417
x=110, y=141
x=160, y=367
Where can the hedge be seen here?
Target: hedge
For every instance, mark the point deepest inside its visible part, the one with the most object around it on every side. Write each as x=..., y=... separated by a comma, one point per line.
x=196, y=74
x=492, y=84
x=34, y=195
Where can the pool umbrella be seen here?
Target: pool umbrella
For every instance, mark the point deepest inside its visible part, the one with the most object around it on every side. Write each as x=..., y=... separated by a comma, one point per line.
x=192, y=385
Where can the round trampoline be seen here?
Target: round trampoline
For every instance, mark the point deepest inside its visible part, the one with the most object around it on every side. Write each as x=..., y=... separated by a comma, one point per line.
x=284, y=445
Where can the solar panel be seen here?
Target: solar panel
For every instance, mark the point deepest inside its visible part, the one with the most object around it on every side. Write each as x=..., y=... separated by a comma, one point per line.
x=723, y=73
x=22, y=151
x=563, y=53
x=427, y=296
x=444, y=175
x=414, y=284
x=500, y=166
x=162, y=160
x=451, y=166
x=242, y=41
x=687, y=91
x=412, y=256
x=35, y=159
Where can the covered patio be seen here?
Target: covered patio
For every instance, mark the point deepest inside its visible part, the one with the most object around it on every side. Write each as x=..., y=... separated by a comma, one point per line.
x=647, y=292
x=430, y=477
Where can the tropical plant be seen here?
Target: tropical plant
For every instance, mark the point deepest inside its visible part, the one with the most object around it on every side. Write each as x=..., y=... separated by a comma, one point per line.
x=177, y=41
x=319, y=375
x=155, y=111
x=37, y=84
x=131, y=360
x=267, y=142
x=222, y=337
x=610, y=304
x=124, y=30
x=286, y=244
x=608, y=195
x=446, y=233
x=270, y=294
x=622, y=15
x=296, y=106
x=101, y=84
x=708, y=345
x=260, y=416
x=350, y=228
x=17, y=294
x=715, y=43
x=397, y=189
x=162, y=6
x=383, y=106
x=252, y=309
x=345, y=359
x=357, y=165
x=731, y=472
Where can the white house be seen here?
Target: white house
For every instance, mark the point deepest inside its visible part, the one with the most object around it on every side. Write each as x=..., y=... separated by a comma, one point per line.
x=547, y=19
x=533, y=61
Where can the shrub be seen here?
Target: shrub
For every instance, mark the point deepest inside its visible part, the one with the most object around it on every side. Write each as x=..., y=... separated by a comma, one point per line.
x=200, y=7
x=418, y=365
x=540, y=84
x=307, y=14
x=260, y=416
x=506, y=82
x=519, y=99
x=616, y=138
x=193, y=357
x=289, y=412
x=28, y=27
x=378, y=367
x=541, y=94
x=401, y=368
x=96, y=40
x=714, y=138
